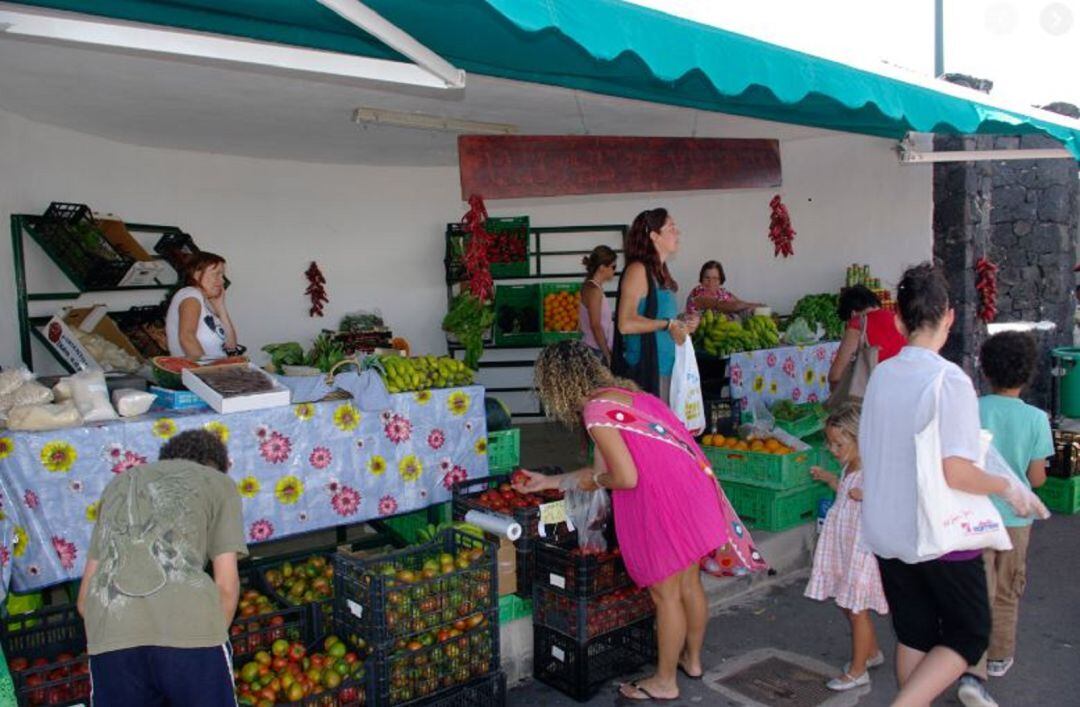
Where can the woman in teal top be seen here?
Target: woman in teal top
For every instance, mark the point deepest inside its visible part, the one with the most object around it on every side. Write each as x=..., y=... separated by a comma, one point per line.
x=646, y=311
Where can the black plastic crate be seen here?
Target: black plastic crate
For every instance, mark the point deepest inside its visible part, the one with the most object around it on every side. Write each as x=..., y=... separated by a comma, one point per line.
x=352, y=692
x=145, y=327
x=433, y=665
x=319, y=614
x=566, y=569
x=585, y=619
x=256, y=632
x=526, y=568
x=416, y=589
x=52, y=643
x=467, y=497
x=70, y=235
x=1066, y=460
x=486, y=692
x=580, y=670
x=723, y=415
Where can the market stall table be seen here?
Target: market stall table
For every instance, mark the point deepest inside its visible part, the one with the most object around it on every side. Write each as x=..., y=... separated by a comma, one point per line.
x=298, y=468
x=796, y=373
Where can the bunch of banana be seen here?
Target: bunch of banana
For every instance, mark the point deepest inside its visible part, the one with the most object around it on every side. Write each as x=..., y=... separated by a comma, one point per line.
x=764, y=330
x=719, y=336
x=402, y=374
x=430, y=531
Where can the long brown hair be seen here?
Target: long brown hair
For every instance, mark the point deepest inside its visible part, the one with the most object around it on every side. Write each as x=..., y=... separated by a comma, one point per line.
x=639, y=247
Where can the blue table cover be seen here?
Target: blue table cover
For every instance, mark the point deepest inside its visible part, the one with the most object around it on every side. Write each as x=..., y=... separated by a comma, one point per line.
x=797, y=373
x=298, y=468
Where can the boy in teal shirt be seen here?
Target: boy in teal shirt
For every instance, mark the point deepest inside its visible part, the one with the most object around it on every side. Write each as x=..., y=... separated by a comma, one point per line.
x=1022, y=436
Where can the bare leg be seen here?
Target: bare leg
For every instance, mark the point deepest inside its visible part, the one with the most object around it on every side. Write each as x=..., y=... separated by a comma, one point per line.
x=937, y=671
x=907, y=659
x=863, y=641
x=697, y=616
x=671, y=637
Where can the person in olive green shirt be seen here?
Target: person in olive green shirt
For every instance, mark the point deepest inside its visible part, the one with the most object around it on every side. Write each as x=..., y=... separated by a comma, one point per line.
x=156, y=622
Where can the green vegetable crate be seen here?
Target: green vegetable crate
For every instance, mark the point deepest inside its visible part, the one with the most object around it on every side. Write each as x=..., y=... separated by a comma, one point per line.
x=511, y=227
x=823, y=457
x=1061, y=495
x=504, y=450
x=512, y=303
x=552, y=337
x=771, y=471
x=773, y=510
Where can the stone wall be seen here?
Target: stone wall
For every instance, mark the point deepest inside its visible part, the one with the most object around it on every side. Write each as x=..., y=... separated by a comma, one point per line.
x=1023, y=215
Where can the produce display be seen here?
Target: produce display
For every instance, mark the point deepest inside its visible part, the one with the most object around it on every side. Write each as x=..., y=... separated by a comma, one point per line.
x=51, y=681
x=469, y=319
x=580, y=571
x=110, y=356
x=561, y=310
x=403, y=374
x=508, y=246
x=168, y=369
x=437, y=660
x=290, y=672
x=768, y=445
x=515, y=318
x=717, y=335
x=234, y=381
x=789, y=411
x=586, y=619
x=820, y=309
x=259, y=622
x=505, y=498
x=304, y=582
x=494, y=495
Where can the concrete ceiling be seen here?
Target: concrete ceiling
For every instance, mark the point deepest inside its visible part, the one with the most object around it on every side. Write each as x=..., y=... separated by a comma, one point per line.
x=173, y=104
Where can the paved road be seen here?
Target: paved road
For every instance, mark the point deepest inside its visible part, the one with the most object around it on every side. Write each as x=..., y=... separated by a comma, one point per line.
x=1047, y=672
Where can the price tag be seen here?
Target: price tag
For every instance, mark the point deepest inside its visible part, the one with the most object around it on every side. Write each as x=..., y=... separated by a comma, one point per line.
x=558, y=654
x=557, y=580
x=356, y=609
x=554, y=512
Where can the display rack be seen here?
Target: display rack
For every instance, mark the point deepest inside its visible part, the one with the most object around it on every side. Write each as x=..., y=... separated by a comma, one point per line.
x=23, y=225
x=537, y=272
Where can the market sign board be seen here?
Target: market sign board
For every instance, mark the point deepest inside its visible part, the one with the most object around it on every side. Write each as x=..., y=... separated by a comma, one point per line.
x=511, y=166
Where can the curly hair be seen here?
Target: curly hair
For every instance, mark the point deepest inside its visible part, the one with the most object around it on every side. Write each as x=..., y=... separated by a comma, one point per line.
x=1008, y=359
x=566, y=374
x=198, y=446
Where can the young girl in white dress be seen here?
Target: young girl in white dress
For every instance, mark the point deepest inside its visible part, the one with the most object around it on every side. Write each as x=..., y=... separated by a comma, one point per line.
x=843, y=569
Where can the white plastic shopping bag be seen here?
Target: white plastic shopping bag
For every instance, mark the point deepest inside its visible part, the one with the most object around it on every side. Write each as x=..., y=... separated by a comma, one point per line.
x=948, y=520
x=686, y=400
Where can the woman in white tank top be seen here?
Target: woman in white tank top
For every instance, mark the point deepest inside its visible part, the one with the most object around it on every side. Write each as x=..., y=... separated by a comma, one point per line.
x=197, y=323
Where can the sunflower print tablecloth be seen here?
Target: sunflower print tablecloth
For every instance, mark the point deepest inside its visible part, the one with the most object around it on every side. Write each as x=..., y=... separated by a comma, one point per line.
x=297, y=468
x=796, y=373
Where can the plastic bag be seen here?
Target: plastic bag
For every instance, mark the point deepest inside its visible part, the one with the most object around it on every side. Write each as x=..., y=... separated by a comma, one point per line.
x=686, y=400
x=91, y=396
x=589, y=511
x=130, y=402
x=13, y=378
x=29, y=393
x=1023, y=500
x=799, y=333
x=34, y=418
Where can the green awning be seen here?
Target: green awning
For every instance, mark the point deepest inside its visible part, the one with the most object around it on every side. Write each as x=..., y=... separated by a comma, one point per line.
x=614, y=48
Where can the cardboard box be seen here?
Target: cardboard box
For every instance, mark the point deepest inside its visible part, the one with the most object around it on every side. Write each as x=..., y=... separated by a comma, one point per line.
x=278, y=395
x=146, y=270
x=94, y=320
x=507, y=561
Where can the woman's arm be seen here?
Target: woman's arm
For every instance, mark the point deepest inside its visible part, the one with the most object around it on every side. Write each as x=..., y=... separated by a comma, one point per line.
x=849, y=343
x=620, y=472
x=962, y=475
x=593, y=297
x=188, y=328
x=634, y=287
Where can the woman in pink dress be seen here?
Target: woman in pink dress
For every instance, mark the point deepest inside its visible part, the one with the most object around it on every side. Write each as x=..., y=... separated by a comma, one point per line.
x=671, y=516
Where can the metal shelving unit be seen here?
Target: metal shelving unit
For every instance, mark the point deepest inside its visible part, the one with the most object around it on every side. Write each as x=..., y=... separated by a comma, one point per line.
x=536, y=256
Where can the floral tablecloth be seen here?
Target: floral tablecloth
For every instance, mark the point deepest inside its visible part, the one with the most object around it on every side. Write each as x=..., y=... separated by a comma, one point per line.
x=796, y=373
x=298, y=468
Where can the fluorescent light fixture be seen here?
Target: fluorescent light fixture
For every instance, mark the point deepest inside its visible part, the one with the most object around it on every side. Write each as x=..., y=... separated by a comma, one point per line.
x=19, y=21
x=423, y=121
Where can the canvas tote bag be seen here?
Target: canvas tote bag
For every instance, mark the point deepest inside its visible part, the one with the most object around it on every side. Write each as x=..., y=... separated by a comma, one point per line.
x=852, y=385
x=948, y=520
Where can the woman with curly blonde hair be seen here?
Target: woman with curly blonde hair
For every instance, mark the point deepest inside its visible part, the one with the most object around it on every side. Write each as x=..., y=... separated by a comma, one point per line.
x=670, y=514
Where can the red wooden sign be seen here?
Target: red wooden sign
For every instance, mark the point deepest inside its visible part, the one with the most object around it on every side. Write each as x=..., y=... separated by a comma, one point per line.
x=508, y=166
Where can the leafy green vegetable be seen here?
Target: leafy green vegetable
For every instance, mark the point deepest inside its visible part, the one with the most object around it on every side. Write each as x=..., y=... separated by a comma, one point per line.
x=820, y=309
x=325, y=352
x=287, y=354
x=468, y=319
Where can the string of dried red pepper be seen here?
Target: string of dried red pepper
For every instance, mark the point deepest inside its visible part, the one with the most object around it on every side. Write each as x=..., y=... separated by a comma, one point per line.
x=316, y=289
x=780, y=231
x=477, y=265
x=986, y=284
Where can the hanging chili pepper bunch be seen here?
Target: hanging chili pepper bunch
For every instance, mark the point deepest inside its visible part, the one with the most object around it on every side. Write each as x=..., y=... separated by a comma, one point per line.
x=316, y=289
x=986, y=284
x=477, y=267
x=780, y=231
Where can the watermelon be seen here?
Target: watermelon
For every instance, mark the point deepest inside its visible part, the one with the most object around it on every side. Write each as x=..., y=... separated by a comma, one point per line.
x=498, y=415
x=168, y=369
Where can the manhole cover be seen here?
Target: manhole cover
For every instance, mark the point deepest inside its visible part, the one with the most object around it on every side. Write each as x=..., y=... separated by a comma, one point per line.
x=780, y=683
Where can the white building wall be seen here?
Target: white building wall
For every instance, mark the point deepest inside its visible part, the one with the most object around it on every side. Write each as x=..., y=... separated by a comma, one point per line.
x=376, y=232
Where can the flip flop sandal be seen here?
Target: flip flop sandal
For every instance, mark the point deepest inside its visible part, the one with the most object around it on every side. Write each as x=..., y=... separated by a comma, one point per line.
x=648, y=695
x=685, y=672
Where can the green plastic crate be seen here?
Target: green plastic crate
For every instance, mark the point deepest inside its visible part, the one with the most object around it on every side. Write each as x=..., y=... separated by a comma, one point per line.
x=546, y=288
x=519, y=226
x=773, y=509
x=512, y=607
x=408, y=524
x=517, y=296
x=773, y=471
x=823, y=457
x=504, y=450
x=1061, y=495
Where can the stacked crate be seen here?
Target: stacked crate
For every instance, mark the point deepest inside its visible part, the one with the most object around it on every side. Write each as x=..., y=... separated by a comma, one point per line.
x=590, y=624
x=428, y=617
x=46, y=654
